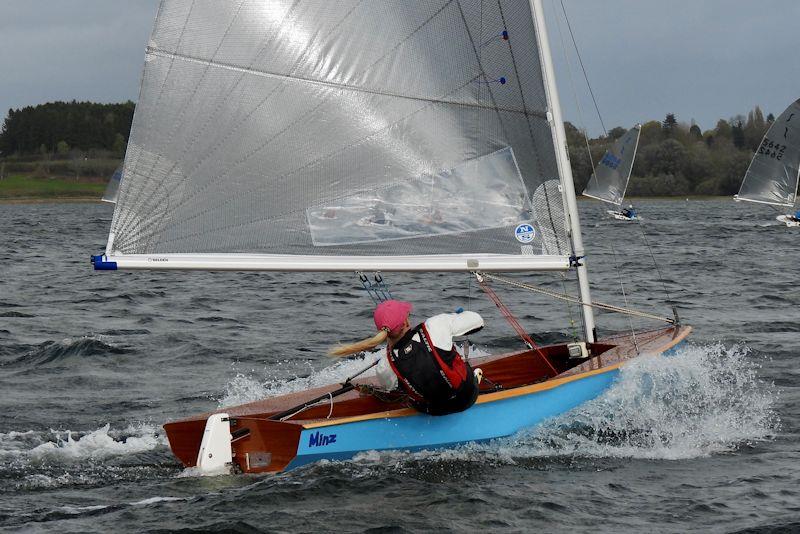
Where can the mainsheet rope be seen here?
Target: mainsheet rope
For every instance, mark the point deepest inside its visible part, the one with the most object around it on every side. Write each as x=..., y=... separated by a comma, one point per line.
x=513, y=320
x=569, y=298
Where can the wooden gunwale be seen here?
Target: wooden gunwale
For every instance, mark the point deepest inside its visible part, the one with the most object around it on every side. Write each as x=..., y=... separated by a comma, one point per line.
x=504, y=394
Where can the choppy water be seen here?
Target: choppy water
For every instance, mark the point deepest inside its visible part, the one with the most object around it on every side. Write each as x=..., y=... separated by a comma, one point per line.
x=91, y=364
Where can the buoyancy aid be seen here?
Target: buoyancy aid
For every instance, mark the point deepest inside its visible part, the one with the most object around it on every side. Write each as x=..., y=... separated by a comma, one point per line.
x=438, y=381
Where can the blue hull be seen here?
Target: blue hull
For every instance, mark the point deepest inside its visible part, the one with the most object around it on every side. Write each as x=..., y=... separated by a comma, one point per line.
x=482, y=422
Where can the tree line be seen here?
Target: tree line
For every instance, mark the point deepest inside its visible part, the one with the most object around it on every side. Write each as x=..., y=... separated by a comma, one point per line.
x=674, y=158
x=64, y=128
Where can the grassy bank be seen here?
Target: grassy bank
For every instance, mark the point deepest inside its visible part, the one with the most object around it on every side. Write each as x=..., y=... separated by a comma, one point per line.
x=30, y=188
x=21, y=187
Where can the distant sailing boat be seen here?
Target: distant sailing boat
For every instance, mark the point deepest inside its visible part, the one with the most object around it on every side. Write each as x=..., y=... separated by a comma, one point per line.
x=351, y=136
x=112, y=188
x=773, y=175
x=610, y=180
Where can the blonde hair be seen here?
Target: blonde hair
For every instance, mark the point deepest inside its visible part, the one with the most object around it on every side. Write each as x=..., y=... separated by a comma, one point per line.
x=360, y=346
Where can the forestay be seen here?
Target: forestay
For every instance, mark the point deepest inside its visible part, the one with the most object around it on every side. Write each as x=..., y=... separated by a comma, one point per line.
x=610, y=179
x=350, y=130
x=773, y=173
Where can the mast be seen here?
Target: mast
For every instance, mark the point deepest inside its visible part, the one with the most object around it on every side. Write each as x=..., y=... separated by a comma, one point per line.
x=562, y=158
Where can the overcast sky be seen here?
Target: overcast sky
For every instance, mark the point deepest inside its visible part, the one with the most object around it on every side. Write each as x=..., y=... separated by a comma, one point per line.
x=700, y=59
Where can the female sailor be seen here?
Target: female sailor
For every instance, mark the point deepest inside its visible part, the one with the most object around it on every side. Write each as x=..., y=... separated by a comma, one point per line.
x=423, y=360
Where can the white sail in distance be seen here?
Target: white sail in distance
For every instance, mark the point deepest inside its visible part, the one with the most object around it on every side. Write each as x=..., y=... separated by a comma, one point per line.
x=772, y=177
x=420, y=127
x=613, y=172
x=112, y=188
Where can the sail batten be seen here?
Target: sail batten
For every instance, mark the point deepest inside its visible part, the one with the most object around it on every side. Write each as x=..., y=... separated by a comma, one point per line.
x=261, y=126
x=461, y=103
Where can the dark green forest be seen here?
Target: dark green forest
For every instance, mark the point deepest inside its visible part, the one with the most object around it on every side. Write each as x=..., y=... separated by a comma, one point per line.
x=674, y=158
x=58, y=128
x=678, y=159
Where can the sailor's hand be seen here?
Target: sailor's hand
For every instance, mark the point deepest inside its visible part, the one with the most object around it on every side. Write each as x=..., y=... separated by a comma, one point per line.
x=478, y=372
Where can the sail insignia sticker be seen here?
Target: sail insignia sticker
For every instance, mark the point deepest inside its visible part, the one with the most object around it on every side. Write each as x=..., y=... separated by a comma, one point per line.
x=525, y=233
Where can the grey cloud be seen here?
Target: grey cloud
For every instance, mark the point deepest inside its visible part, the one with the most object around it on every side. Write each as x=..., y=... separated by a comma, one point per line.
x=701, y=59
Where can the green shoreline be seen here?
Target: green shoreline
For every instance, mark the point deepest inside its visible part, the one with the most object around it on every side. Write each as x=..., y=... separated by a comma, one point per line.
x=50, y=200
x=19, y=188
x=26, y=189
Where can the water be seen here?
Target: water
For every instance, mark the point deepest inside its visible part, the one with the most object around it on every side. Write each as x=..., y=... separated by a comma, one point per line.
x=91, y=365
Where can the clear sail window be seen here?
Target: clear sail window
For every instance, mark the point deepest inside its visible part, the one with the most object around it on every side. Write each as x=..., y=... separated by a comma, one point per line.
x=482, y=193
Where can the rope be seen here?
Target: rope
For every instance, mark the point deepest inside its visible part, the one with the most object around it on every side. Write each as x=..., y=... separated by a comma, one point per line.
x=572, y=324
x=574, y=90
x=598, y=305
x=580, y=60
x=655, y=263
x=513, y=321
x=330, y=412
x=624, y=296
x=385, y=396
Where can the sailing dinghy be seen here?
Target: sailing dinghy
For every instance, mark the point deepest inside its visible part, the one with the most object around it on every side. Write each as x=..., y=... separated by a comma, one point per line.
x=772, y=177
x=352, y=136
x=610, y=180
x=112, y=188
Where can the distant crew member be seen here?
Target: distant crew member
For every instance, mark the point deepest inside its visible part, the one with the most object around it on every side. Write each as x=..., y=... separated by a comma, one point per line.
x=629, y=212
x=797, y=216
x=423, y=361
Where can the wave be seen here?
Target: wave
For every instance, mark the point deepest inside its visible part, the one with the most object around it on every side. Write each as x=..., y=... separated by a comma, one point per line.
x=701, y=401
x=74, y=512
x=758, y=327
x=16, y=314
x=126, y=332
x=33, y=460
x=52, y=351
x=84, y=510
x=245, y=388
x=66, y=446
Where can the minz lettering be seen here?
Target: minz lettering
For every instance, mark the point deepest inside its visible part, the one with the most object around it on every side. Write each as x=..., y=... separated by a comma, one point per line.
x=320, y=440
x=157, y=259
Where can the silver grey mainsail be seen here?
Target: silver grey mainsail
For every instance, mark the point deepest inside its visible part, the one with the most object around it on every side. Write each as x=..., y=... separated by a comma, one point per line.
x=610, y=179
x=772, y=177
x=256, y=117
